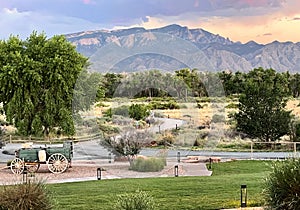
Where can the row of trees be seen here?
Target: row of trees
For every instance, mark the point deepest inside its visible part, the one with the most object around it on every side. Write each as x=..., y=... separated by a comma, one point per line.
x=187, y=82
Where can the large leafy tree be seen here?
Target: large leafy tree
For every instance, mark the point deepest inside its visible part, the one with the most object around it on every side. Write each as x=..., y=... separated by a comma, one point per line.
x=37, y=79
x=262, y=111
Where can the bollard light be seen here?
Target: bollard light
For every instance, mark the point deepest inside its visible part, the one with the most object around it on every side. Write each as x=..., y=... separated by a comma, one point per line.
x=99, y=173
x=176, y=171
x=243, y=195
x=210, y=164
x=109, y=157
x=178, y=157
x=25, y=178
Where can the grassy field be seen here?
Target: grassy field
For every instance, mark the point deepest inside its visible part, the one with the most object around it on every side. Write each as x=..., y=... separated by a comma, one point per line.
x=222, y=190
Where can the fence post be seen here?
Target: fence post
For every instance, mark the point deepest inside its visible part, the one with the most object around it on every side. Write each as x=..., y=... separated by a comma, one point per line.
x=10, y=139
x=295, y=149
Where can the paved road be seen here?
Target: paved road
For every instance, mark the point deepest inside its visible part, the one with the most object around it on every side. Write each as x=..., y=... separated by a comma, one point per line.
x=91, y=150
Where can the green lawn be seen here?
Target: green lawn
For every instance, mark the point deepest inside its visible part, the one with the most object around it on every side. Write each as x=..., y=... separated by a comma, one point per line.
x=222, y=190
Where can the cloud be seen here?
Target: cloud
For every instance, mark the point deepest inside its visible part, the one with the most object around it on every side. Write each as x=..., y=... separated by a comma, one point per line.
x=12, y=23
x=229, y=18
x=267, y=34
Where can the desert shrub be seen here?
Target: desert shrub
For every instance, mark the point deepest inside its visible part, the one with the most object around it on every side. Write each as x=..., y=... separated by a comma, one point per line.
x=108, y=113
x=217, y=118
x=159, y=115
x=120, y=120
x=139, y=200
x=232, y=106
x=166, y=138
x=31, y=195
x=151, y=164
x=183, y=106
x=203, y=100
x=108, y=129
x=164, y=105
x=199, y=106
x=101, y=104
x=282, y=186
x=199, y=142
x=121, y=110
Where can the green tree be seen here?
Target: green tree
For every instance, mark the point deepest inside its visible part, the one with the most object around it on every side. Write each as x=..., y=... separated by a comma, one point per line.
x=110, y=82
x=37, y=79
x=294, y=85
x=138, y=111
x=262, y=111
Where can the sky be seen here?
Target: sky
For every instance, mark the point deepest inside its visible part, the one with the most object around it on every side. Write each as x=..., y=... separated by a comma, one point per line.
x=263, y=21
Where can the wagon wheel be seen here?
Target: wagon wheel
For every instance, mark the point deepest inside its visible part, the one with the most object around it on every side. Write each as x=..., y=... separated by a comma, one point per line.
x=17, y=166
x=57, y=163
x=32, y=167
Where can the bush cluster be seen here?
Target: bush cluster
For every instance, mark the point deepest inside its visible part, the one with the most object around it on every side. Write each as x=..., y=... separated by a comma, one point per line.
x=164, y=105
x=108, y=129
x=217, y=118
x=282, y=187
x=148, y=164
x=31, y=195
x=232, y=106
x=121, y=110
x=166, y=139
x=139, y=200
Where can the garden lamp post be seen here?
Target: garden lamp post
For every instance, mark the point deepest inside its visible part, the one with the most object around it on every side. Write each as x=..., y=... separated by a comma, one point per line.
x=210, y=164
x=243, y=195
x=109, y=157
x=178, y=157
x=176, y=171
x=25, y=176
x=99, y=173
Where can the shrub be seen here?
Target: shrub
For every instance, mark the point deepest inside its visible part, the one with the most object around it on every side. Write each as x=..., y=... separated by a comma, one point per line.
x=29, y=195
x=217, y=118
x=166, y=139
x=232, y=106
x=282, y=188
x=121, y=110
x=108, y=129
x=148, y=164
x=138, y=111
x=199, y=106
x=203, y=100
x=139, y=200
x=164, y=105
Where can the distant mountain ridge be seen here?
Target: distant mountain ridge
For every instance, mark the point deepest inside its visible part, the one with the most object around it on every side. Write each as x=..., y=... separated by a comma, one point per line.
x=217, y=53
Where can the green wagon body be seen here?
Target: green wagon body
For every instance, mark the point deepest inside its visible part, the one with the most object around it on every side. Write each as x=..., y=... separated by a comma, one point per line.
x=32, y=154
x=58, y=158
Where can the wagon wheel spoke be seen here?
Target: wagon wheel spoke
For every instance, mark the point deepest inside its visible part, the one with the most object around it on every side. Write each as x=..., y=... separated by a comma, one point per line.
x=57, y=163
x=17, y=166
x=32, y=167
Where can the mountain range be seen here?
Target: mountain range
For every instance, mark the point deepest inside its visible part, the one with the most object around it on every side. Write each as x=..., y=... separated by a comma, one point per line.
x=174, y=47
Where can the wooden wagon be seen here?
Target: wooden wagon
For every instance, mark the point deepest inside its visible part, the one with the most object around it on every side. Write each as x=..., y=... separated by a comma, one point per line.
x=58, y=158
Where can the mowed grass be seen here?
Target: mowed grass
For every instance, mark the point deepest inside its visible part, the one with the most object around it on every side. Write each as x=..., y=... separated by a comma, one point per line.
x=222, y=190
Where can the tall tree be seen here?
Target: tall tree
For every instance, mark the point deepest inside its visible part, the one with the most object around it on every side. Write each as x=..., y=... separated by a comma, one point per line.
x=262, y=111
x=37, y=78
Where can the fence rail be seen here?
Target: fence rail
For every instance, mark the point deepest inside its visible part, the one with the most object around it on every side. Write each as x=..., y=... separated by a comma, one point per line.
x=22, y=139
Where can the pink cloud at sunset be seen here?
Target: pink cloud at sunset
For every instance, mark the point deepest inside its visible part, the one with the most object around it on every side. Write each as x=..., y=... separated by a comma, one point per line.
x=239, y=20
